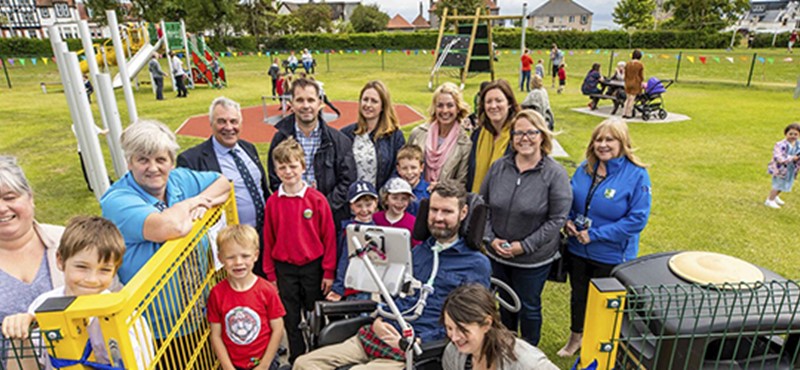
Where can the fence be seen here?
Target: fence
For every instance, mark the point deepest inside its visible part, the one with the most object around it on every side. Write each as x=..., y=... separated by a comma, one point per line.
x=158, y=319
x=734, y=326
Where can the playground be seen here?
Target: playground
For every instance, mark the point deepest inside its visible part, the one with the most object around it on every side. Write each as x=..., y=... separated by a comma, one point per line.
x=708, y=173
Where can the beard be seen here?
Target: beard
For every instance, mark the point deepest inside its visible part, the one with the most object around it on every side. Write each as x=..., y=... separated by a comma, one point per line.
x=443, y=233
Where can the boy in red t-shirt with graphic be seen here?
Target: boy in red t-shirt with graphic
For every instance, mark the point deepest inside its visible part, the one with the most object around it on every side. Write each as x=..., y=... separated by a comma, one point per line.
x=299, y=241
x=244, y=310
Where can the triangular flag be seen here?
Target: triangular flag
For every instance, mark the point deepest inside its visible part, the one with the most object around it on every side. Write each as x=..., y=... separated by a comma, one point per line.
x=743, y=59
x=424, y=51
x=664, y=56
x=45, y=61
x=616, y=54
x=716, y=59
x=788, y=60
x=650, y=56
x=259, y=53
x=597, y=51
x=22, y=61
x=538, y=51
x=605, y=52
x=341, y=52
x=506, y=52
x=11, y=61
x=771, y=60
x=33, y=60
x=408, y=52
x=729, y=59
x=588, y=51
x=702, y=59
x=677, y=56
x=380, y=52
x=690, y=58
x=514, y=52
x=416, y=52
x=571, y=52
x=761, y=60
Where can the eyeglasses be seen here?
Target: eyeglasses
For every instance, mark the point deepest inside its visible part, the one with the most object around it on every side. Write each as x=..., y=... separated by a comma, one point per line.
x=530, y=134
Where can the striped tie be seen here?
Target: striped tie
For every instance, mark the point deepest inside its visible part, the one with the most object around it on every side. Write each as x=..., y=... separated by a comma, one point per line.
x=252, y=188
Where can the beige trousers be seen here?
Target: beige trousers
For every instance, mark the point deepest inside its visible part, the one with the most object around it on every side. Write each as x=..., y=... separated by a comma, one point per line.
x=345, y=353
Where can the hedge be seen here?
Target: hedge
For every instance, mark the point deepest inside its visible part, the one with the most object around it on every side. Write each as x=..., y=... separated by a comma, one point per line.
x=23, y=47
x=503, y=37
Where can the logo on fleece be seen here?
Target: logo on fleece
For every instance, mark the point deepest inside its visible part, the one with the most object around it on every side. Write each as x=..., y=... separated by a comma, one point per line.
x=242, y=325
x=609, y=193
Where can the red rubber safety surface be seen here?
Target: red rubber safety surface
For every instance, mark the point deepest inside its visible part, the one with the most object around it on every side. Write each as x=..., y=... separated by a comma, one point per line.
x=255, y=130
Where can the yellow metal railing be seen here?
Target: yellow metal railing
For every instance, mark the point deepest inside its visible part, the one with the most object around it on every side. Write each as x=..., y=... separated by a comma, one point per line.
x=158, y=320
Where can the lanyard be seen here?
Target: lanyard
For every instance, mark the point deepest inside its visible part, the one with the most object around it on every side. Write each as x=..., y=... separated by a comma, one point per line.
x=592, y=190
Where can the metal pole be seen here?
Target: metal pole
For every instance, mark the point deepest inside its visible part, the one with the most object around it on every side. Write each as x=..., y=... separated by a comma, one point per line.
x=169, y=58
x=186, y=52
x=611, y=62
x=328, y=61
x=108, y=103
x=123, y=67
x=90, y=145
x=678, y=69
x=752, y=66
x=5, y=71
x=521, y=43
x=383, y=60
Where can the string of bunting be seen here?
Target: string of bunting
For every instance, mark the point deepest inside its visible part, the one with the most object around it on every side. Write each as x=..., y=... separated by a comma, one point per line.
x=702, y=59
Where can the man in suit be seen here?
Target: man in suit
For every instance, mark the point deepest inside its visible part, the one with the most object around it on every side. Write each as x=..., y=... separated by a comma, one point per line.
x=237, y=159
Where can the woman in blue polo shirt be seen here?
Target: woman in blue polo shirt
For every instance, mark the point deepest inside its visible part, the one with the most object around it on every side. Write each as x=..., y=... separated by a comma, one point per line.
x=155, y=202
x=610, y=206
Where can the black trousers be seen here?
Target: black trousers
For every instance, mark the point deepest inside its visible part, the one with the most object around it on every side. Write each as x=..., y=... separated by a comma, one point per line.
x=274, y=87
x=159, y=88
x=181, y=85
x=299, y=288
x=581, y=271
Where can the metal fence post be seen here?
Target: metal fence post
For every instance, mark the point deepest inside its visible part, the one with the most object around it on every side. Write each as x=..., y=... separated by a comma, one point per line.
x=678, y=69
x=3, y=62
x=383, y=60
x=611, y=62
x=328, y=61
x=752, y=66
x=604, y=303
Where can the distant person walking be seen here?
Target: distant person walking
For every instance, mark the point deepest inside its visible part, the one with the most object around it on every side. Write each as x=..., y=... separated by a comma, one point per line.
x=525, y=80
x=792, y=39
x=274, y=73
x=557, y=59
x=784, y=165
x=634, y=76
x=158, y=76
x=179, y=74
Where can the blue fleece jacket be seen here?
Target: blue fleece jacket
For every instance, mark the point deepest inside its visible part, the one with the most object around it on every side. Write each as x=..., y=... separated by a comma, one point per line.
x=619, y=210
x=342, y=257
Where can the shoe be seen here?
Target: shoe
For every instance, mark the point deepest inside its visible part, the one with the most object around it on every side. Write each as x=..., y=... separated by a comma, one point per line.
x=772, y=204
x=572, y=346
x=779, y=201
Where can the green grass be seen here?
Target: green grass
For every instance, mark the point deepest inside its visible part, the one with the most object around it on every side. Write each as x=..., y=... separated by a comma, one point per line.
x=709, y=174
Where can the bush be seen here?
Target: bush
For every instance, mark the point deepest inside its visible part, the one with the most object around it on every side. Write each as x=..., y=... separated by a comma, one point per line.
x=24, y=47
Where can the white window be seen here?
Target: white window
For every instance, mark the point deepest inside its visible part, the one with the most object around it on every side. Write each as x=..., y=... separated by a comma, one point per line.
x=45, y=12
x=62, y=10
x=584, y=19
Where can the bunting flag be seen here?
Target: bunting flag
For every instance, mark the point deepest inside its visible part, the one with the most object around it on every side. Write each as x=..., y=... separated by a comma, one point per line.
x=571, y=52
x=588, y=51
x=259, y=53
x=677, y=57
x=664, y=56
x=341, y=52
x=380, y=52
x=538, y=51
x=514, y=51
x=702, y=59
x=22, y=61
x=597, y=51
x=788, y=60
x=771, y=60
x=416, y=52
x=729, y=59
x=605, y=52
x=11, y=61
x=408, y=52
x=716, y=59
x=505, y=52
x=33, y=60
x=743, y=59
x=615, y=54
x=690, y=58
x=54, y=60
x=761, y=60
x=650, y=56
x=44, y=60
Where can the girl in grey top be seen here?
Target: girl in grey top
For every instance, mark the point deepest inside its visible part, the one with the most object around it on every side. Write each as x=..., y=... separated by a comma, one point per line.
x=478, y=338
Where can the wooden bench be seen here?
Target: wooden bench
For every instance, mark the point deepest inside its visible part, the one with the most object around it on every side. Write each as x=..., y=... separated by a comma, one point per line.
x=608, y=91
x=597, y=97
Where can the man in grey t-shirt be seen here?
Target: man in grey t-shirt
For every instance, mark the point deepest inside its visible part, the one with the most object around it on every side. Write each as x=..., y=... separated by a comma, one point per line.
x=557, y=57
x=158, y=76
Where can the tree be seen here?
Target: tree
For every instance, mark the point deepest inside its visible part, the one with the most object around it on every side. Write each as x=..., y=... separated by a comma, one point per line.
x=464, y=7
x=254, y=16
x=634, y=14
x=369, y=18
x=284, y=24
x=706, y=15
x=313, y=17
x=216, y=15
x=97, y=10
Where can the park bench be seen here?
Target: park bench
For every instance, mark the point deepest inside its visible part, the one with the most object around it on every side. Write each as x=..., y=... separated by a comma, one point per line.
x=608, y=92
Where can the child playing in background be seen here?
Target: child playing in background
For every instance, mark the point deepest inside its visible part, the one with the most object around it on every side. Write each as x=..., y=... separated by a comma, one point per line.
x=246, y=306
x=784, y=165
x=299, y=241
x=410, y=165
x=363, y=203
x=562, y=77
x=539, y=69
x=396, y=195
x=274, y=73
x=89, y=254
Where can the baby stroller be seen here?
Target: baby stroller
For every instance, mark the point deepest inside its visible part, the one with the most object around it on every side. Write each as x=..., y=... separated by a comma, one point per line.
x=651, y=101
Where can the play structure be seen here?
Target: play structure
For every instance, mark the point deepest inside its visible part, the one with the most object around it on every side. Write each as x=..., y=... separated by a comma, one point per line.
x=138, y=51
x=207, y=68
x=465, y=44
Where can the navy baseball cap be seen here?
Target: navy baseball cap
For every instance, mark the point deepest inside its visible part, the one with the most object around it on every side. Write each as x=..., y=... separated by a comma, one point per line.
x=359, y=189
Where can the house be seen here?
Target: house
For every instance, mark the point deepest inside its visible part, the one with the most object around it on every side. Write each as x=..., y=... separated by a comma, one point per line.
x=434, y=19
x=398, y=23
x=31, y=18
x=419, y=22
x=560, y=15
x=771, y=16
x=340, y=10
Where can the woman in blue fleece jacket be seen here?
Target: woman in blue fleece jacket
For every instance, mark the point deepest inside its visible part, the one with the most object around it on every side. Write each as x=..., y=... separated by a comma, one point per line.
x=610, y=206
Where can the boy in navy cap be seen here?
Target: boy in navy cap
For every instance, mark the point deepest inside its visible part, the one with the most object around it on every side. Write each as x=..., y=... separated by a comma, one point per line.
x=363, y=203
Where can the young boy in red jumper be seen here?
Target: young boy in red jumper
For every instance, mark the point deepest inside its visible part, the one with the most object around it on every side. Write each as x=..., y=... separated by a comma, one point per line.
x=299, y=241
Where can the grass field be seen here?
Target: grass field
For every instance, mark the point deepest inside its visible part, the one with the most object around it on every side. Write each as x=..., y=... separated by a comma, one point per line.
x=709, y=174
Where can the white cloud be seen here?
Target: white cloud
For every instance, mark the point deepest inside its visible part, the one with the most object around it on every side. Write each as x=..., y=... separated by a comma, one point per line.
x=409, y=9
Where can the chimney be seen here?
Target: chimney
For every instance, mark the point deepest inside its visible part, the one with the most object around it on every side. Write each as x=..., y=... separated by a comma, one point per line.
x=420, y=8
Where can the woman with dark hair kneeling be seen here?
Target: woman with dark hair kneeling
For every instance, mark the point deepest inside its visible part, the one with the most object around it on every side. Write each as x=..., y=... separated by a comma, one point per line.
x=478, y=338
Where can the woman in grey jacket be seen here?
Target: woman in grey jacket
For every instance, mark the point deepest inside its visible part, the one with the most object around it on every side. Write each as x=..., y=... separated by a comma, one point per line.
x=478, y=340
x=529, y=197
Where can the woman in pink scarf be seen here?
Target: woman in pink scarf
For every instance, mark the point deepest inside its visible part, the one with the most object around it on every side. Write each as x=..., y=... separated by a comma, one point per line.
x=445, y=144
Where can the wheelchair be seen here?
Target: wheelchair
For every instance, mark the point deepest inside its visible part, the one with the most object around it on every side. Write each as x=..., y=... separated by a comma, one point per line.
x=335, y=322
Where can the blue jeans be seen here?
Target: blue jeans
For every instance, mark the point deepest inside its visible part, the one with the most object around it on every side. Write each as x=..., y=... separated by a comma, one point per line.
x=525, y=83
x=528, y=283
x=307, y=66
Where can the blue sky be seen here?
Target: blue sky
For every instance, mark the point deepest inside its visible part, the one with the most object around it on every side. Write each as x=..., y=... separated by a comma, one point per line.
x=410, y=8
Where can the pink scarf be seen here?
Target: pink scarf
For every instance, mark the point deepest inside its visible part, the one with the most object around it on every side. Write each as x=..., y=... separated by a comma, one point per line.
x=436, y=155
